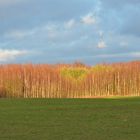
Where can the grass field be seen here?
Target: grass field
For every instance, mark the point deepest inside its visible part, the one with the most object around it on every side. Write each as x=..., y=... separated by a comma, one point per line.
x=70, y=119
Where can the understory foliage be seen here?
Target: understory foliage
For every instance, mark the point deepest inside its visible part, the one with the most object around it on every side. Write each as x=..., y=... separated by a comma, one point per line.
x=70, y=81
x=75, y=74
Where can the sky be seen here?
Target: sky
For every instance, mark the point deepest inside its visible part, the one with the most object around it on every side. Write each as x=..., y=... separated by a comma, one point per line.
x=65, y=31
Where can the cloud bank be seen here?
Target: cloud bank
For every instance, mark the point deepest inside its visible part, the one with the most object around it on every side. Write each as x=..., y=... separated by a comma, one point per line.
x=6, y=55
x=57, y=31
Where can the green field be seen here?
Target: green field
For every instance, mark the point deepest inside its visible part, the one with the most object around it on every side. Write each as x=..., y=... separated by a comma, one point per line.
x=70, y=119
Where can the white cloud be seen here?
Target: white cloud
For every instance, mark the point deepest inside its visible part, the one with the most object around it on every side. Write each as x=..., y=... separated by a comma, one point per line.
x=101, y=33
x=101, y=57
x=130, y=54
x=19, y=34
x=101, y=44
x=6, y=54
x=89, y=19
x=135, y=54
x=52, y=31
x=70, y=23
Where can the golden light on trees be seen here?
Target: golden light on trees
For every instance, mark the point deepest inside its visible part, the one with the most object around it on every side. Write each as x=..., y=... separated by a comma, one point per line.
x=70, y=81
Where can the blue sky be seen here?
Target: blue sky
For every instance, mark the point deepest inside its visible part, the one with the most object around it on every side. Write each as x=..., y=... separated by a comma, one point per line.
x=63, y=31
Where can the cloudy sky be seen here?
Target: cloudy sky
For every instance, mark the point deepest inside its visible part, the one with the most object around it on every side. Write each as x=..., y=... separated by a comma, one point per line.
x=65, y=31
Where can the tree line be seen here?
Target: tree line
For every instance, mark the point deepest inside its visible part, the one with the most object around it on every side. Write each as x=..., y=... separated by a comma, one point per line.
x=69, y=80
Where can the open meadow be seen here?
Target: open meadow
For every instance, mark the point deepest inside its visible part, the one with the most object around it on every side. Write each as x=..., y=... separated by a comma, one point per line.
x=70, y=119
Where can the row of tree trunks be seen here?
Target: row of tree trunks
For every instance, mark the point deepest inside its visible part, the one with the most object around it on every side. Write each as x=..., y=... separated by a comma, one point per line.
x=47, y=81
